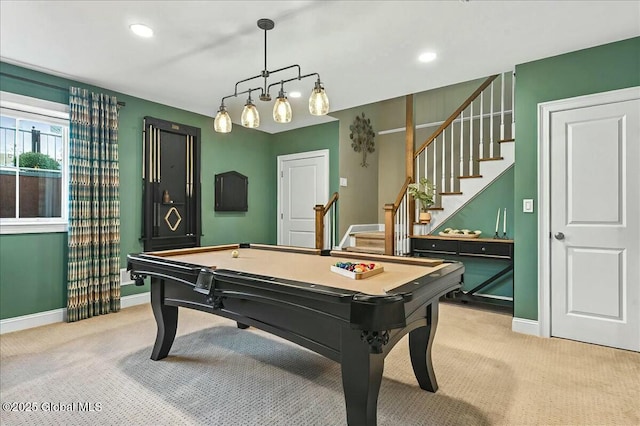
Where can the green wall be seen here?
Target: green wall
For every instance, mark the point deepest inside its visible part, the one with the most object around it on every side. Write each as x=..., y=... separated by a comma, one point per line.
x=32, y=270
x=599, y=69
x=311, y=138
x=33, y=266
x=480, y=214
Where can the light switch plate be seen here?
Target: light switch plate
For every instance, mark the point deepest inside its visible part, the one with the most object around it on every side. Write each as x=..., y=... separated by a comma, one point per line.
x=527, y=205
x=343, y=181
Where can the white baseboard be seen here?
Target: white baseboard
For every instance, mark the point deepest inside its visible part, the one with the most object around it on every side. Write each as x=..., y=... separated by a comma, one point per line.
x=32, y=320
x=135, y=299
x=60, y=315
x=525, y=326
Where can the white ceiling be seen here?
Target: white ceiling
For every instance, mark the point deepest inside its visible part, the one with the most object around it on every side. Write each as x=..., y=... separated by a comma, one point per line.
x=365, y=51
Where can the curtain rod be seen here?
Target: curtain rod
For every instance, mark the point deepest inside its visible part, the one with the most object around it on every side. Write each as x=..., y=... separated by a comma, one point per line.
x=40, y=83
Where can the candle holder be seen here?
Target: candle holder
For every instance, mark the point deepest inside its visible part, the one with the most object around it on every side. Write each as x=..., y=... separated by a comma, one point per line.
x=504, y=235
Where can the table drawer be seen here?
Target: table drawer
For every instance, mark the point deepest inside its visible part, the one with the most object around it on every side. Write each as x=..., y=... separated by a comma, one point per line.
x=483, y=248
x=435, y=245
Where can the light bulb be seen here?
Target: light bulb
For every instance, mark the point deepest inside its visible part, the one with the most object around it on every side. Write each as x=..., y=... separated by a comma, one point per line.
x=318, y=101
x=250, y=117
x=222, y=122
x=282, y=109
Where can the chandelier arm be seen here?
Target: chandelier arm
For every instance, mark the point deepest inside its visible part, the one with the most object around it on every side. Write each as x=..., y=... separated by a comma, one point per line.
x=241, y=93
x=286, y=68
x=292, y=79
x=243, y=81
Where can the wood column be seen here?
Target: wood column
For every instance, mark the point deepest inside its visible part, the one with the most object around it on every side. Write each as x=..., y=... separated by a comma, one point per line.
x=319, y=209
x=410, y=139
x=389, y=231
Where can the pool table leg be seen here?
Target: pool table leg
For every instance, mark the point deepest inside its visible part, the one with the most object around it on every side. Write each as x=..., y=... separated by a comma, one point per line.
x=242, y=326
x=166, y=320
x=361, y=378
x=420, y=343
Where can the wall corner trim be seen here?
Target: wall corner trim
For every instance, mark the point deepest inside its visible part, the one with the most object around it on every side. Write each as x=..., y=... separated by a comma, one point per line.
x=59, y=315
x=525, y=326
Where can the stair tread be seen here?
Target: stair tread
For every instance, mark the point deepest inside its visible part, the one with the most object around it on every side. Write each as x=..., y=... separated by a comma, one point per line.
x=375, y=250
x=470, y=177
x=491, y=159
x=450, y=193
x=375, y=235
x=507, y=140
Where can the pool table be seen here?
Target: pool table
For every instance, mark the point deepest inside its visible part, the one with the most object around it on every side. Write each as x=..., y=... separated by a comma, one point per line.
x=292, y=293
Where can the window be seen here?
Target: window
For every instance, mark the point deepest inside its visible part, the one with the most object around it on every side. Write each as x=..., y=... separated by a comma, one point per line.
x=34, y=142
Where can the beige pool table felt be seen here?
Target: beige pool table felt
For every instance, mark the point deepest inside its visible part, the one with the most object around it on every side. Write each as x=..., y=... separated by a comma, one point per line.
x=307, y=268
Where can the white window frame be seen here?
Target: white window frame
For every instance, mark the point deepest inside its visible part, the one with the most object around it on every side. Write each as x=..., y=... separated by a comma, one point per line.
x=19, y=106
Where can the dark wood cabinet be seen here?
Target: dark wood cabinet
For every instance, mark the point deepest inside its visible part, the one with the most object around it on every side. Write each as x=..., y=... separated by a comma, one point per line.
x=459, y=248
x=171, y=185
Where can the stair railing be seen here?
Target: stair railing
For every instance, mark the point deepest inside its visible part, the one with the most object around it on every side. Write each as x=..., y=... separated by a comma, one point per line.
x=467, y=137
x=453, y=152
x=396, y=223
x=321, y=212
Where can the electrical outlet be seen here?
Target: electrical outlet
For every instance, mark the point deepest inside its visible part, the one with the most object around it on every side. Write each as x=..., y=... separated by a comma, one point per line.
x=125, y=277
x=527, y=205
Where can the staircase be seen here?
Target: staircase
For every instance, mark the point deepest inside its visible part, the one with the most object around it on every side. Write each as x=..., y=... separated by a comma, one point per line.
x=469, y=150
x=367, y=242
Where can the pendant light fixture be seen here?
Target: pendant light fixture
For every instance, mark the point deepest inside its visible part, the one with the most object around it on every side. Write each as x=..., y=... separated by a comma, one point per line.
x=318, y=101
x=250, y=117
x=222, y=122
x=282, y=108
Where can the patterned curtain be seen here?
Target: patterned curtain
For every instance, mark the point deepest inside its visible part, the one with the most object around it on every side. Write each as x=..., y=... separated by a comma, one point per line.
x=94, y=206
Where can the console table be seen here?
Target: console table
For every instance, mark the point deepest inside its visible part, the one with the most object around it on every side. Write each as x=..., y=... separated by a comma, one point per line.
x=487, y=248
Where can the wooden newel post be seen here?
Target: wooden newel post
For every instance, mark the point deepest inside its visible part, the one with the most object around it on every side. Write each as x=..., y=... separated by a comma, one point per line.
x=389, y=230
x=319, y=209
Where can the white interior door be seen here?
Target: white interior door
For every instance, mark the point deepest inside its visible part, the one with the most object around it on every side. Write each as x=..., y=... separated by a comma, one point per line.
x=304, y=182
x=595, y=222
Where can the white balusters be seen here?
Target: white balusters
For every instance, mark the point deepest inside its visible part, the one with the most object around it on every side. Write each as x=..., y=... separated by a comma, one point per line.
x=491, y=140
x=502, y=106
x=461, y=172
x=452, y=160
x=481, y=144
x=470, y=139
x=435, y=163
x=402, y=224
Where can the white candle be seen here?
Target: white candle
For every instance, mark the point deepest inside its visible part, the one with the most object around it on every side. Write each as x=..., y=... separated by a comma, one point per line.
x=504, y=225
x=497, y=221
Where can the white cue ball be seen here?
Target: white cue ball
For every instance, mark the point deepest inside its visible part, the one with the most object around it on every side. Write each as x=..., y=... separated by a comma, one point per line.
x=234, y=253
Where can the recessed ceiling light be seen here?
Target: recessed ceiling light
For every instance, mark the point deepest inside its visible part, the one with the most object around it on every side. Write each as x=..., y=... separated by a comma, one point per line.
x=141, y=30
x=427, y=56
x=295, y=94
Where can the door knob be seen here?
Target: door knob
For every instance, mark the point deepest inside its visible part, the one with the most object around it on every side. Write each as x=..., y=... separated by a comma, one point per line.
x=559, y=236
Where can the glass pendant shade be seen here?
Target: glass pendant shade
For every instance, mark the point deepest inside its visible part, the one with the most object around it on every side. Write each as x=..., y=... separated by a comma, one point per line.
x=318, y=101
x=250, y=117
x=282, y=109
x=222, y=122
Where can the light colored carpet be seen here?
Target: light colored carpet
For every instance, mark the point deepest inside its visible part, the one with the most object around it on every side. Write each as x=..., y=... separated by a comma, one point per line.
x=217, y=374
